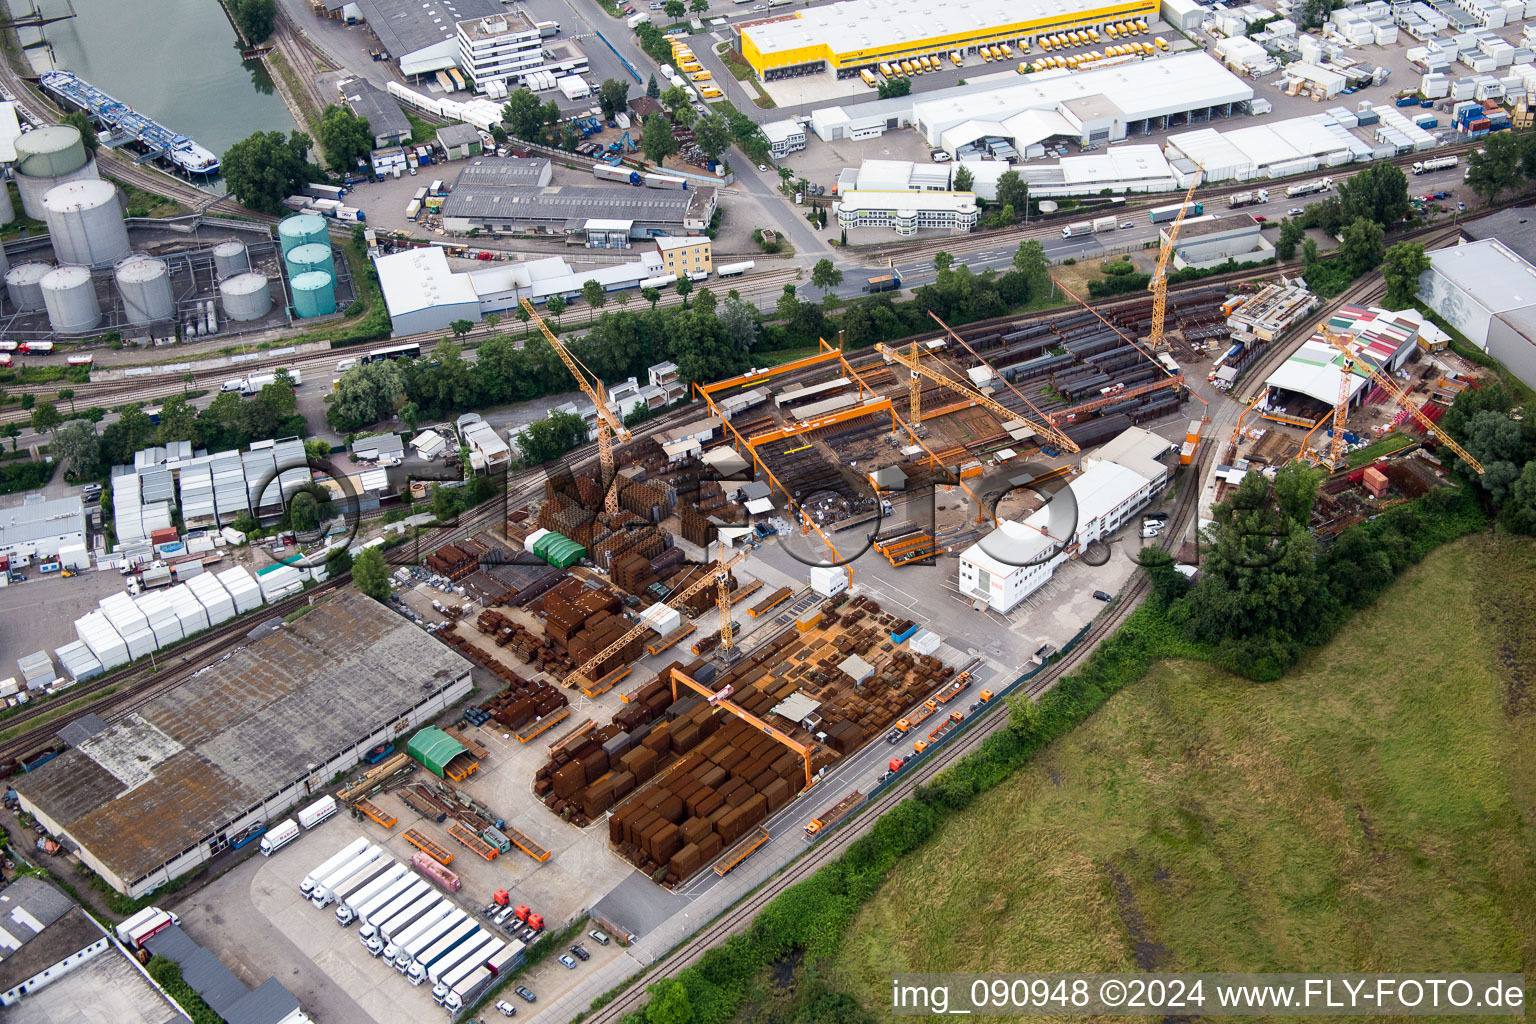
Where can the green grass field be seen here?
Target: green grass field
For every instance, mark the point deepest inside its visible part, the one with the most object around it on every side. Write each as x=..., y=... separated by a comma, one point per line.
x=1375, y=810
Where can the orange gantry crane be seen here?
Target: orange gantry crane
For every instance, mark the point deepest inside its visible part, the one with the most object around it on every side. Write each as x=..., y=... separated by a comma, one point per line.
x=608, y=425
x=1351, y=363
x=721, y=699
x=582, y=676
x=1159, y=283
x=1045, y=429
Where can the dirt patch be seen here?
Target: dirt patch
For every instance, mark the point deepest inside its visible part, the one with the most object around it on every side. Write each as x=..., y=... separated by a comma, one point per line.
x=1149, y=955
x=784, y=972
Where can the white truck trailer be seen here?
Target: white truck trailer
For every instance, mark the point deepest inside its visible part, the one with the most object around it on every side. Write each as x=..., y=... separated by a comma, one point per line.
x=322, y=894
x=369, y=933
x=346, y=910
x=346, y=853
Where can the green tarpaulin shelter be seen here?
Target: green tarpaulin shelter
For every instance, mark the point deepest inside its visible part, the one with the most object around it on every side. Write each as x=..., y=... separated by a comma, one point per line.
x=434, y=749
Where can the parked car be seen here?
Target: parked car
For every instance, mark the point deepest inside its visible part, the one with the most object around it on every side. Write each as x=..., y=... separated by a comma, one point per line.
x=1151, y=530
x=505, y=1008
x=762, y=167
x=581, y=953
x=1102, y=596
x=566, y=962
x=526, y=994
x=1260, y=218
x=598, y=937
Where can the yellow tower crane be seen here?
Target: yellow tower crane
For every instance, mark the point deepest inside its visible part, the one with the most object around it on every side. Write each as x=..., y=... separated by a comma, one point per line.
x=723, y=602
x=1352, y=363
x=1159, y=283
x=608, y=425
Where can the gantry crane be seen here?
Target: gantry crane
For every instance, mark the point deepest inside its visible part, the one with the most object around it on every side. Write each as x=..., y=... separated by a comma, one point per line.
x=608, y=425
x=1352, y=362
x=582, y=678
x=721, y=699
x=1061, y=439
x=1159, y=283
x=910, y=362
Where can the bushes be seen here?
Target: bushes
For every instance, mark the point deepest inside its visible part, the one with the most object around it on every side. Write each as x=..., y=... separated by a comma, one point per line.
x=167, y=974
x=1118, y=285
x=24, y=476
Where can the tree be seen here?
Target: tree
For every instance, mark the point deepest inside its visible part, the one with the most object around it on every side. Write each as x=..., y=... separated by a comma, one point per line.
x=1291, y=234
x=264, y=169
x=344, y=137
x=524, y=115
x=1031, y=261
x=81, y=121
x=77, y=446
x=1167, y=583
x=675, y=99
x=1401, y=268
x=68, y=395
x=410, y=415
x=698, y=6
x=256, y=18
x=12, y=431
x=656, y=140
x=371, y=574
x=364, y=395
x=942, y=261
x=675, y=9
x=1012, y=190
x=551, y=437
x=498, y=134
x=705, y=301
x=1362, y=246
x=1309, y=256
x=891, y=88
x=304, y=512
x=739, y=321
x=187, y=380
x=555, y=304
x=712, y=134
x=178, y=420
x=461, y=327
x=1496, y=169
x=684, y=286
x=669, y=1003
x=493, y=321
x=1378, y=193
x=613, y=96
x=651, y=295
x=685, y=116
x=652, y=89
x=1500, y=444
x=594, y=294
x=1315, y=12
x=28, y=400
x=45, y=416
x=964, y=179
x=825, y=275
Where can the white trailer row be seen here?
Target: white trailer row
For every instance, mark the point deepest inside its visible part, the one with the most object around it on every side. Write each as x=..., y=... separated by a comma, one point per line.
x=409, y=923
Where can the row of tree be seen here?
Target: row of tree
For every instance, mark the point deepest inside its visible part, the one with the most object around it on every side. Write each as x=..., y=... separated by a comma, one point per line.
x=1506, y=163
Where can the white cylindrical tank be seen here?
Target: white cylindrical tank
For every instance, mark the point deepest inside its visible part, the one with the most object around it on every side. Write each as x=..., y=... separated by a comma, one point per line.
x=7, y=211
x=213, y=318
x=85, y=223
x=24, y=284
x=145, y=285
x=230, y=258
x=246, y=296
x=5, y=262
x=33, y=187
x=71, y=300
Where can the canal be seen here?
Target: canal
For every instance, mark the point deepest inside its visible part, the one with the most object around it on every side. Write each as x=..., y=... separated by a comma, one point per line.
x=177, y=61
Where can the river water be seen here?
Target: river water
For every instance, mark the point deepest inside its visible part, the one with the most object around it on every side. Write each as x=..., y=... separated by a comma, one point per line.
x=177, y=61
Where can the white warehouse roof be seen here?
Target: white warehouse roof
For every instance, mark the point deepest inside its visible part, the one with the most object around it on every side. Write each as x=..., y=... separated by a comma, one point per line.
x=419, y=279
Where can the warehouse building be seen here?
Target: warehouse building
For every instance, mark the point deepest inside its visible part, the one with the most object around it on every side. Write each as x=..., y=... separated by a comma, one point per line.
x=422, y=35
x=784, y=137
x=1273, y=149
x=1017, y=559
x=42, y=528
x=1383, y=338
x=907, y=212
x=385, y=119
x=1487, y=292
x=1090, y=107
x=158, y=793
x=849, y=36
x=1120, y=169
x=459, y=141
x=565, y=210
x=899, y=176
x=510, y=171
x=1214, y=242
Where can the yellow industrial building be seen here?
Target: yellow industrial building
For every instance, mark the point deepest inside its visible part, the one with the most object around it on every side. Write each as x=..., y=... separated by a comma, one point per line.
x=853, y=35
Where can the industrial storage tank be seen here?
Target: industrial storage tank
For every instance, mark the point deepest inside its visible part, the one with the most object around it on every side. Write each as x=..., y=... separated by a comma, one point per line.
x=7, y=212
x=47, y=157
x=314, y=294
x=85, y=223
x=315, y=256
x=246, y=296
x=302, y=229
x=230, y=258
x=145, y=285
x=71, y=300
x=5, y=262
x=24, y=284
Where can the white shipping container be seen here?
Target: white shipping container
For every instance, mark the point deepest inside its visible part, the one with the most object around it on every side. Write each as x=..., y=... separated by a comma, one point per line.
x=78, y=662
x=162, y=619
x=829, y=581
x=123, y=614
x=140, y=643
x=102, y=639
x=242, y=588
x=189, y=610
x=210, y=593
x=278, y=583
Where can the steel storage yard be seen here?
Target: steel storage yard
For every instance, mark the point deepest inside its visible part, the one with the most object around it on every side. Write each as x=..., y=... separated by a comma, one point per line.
x=85, y=223
x=860, y=33
x=145, y=285
x=246, y=296
x=157, y=793
x=71, y=300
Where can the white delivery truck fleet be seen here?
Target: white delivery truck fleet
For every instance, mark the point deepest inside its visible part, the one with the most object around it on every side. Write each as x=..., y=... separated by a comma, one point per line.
x=346, y=910
x=346, y=853
x=323, y=893
x=369, y=933
x=405, y=960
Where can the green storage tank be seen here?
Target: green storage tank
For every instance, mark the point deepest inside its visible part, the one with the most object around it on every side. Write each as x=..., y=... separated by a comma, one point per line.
x=302, y=229
x=312, y=256
x=314, y=294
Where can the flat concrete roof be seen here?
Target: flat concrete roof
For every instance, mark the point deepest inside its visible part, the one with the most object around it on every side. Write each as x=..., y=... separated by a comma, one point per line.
x=1516, y=228
x=108, y=987
x=495, y=170
x=202, y=753
x=573, y=204
x=1490, y=270
x=405, y=26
